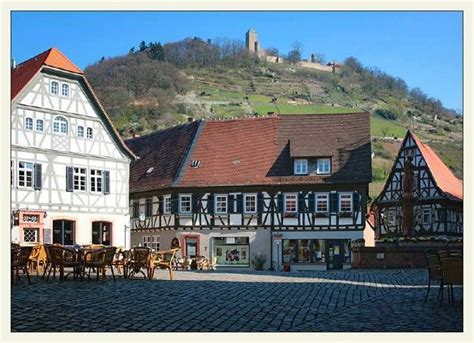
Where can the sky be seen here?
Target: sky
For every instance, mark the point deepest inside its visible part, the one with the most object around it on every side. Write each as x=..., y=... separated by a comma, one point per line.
x=423, y=48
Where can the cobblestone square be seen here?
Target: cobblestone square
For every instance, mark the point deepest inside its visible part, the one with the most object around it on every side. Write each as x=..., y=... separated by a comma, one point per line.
x=238, y=301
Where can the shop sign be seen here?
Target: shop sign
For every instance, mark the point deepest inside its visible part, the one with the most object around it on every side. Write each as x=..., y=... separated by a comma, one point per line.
x=28, y=218
x=278, y=237
x=47, y=236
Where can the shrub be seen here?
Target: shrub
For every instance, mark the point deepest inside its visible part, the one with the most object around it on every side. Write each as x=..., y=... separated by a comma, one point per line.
x=258, y=261
x=387, y=113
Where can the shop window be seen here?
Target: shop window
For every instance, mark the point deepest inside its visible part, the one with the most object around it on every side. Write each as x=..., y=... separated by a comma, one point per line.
x=304, y=251
x=318, y=248
x=231, y=251
x=101, y=233
x=290, y=251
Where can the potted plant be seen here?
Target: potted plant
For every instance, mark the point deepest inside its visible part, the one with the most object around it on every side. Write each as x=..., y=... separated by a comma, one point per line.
x=286, y=267
x=258, y=261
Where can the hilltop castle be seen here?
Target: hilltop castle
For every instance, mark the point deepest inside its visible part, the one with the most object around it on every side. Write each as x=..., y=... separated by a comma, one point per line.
x=254, y=48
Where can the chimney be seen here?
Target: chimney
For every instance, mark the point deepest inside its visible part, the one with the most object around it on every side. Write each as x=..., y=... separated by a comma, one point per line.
x=13, y=65
x=190, y=119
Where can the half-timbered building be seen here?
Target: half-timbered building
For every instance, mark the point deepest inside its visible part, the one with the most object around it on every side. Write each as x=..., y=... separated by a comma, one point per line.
x=422, y=197
x=293, y=188
x=69, y=167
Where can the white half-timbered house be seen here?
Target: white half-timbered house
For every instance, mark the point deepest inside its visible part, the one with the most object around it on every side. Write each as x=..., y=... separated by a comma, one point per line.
x=428, y=203
x=69, y=167
x=293, y=188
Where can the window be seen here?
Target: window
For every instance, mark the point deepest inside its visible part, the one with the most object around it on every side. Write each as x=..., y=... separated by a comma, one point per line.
x=136, y=209
x=54, y=88
x=323, y=166
x=250, y=203
x=101, y=233
x=12, y=172
x=301, y=166
x=79, y=177
x=220, y=204
x=89, y=132
x=291, y=203
x=392, y=218
x=148, y=207
x=39, y=125
x=63, y=232
x=184, y=203
x=60, y=125
x=80, y=131
x=29, y=123
x=304, y=251
x=30, y=235
x=152, y=242
x=427, y=216
x=65, y=90
x=345, y=202
x=25, y=174
x=231, y=251
x=167, y=204
x=322, y=202
x=96, y=180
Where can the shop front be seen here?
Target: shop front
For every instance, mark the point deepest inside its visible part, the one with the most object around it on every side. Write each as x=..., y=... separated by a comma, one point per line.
x=231, y=251
x=30, y=227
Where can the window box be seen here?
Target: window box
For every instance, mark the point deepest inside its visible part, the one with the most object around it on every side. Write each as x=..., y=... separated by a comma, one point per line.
x=321, y=215
x=345, y=214
x=290, y=215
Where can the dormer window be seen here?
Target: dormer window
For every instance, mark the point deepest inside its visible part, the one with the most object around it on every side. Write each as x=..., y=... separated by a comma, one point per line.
x=323, y=166
x=301, y=166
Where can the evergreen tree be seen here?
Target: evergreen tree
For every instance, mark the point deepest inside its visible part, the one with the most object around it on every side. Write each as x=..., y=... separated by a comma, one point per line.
x=142, y=46
x=156, y=51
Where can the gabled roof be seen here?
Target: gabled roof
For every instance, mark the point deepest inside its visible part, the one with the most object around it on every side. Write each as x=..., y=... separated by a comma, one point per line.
x=252, y=151
x=25, y=71
x=53, y=58
x=162, y=154
x=444, y=178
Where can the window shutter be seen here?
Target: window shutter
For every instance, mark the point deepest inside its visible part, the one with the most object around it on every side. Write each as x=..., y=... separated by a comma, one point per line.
x=230, y=203
x=260, y=201
x=194, y=203
x=106, y=181
x=311, y=202
x=37, y=173
x=356, y=202
x=210, y=203
x=69, y=179
x=174, y=203
x=334, y=202
x=280, y=203
x=240, y=203
x=161, y=202
x=301, y=202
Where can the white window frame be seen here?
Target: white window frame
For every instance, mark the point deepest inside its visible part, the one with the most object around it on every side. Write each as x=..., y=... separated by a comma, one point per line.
x=167, y=204
x=31, y=121
x=317, y=201
x=36, y=231
x=90, y=133
x=26, y=171
x=285, y=197
x=79, y=134
x=423, y=211
x=300, y=166
x=181, y=196
x=345, y=194
x=96, y=180
x=224, y=199
x=56, y=83
x=80, y=175
x=61, y=124
x=245, y=197
x=62, y=90
x=318, y=170
x=42, y=125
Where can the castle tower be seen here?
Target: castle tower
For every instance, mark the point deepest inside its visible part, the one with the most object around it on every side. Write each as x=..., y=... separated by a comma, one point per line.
x=251, y=41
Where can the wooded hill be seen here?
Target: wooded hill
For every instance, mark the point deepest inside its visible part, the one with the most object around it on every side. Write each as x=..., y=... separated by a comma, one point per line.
x=157, y=86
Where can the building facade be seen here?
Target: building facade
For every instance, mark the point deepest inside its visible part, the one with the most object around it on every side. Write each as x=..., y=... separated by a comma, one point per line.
x=421, y=197
x=69, y=167
x=293, y=188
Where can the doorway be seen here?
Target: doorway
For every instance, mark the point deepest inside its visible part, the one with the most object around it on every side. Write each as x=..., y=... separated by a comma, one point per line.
x=335, y=254
x=63, y=232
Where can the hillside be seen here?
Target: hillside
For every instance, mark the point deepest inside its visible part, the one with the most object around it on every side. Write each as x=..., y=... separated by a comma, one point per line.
x=157, y=87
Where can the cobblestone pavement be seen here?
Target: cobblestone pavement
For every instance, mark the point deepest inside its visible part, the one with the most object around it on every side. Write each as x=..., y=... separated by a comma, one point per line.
x=326, y=301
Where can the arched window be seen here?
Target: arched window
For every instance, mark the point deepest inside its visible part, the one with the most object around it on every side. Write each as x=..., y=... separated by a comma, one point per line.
x=101, y=233
x=60, y=125
x=54, y=87
x=65, y=90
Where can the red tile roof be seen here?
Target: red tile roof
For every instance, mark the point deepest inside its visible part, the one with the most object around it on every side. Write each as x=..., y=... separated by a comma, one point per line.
x=25, y=71
x=443, y=176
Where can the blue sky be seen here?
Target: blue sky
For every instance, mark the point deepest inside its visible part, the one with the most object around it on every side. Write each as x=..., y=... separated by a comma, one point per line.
x=423, y=48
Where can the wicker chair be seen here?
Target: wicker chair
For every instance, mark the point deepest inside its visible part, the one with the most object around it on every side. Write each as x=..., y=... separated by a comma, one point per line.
x=434, y=271
x=452, y=269
x=61, y=258
x=99, y=259
x=163, y=260
x=137, y=259
x=19, y=260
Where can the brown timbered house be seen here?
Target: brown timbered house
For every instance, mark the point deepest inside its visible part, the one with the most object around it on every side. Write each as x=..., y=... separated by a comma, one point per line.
x=291, y=187
x=421, y=197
